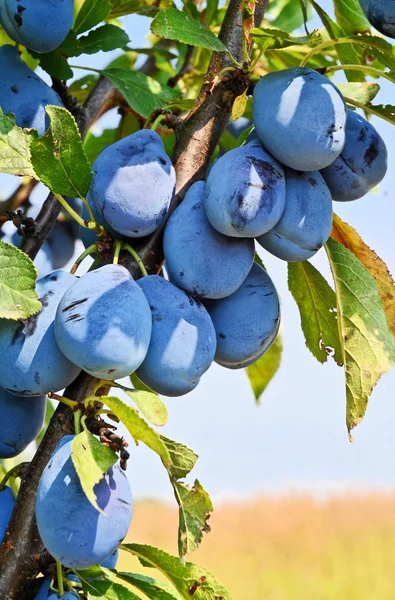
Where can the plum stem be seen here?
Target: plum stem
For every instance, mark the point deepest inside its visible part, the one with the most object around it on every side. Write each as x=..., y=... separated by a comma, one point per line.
x=67, y=401
x=259, y=56
x=324, y=45
x=363, y=68
x=71, y=211
x=136, y=257
x=117, y=250
x=82, y=68
x=13, y=473
x=87, y=252
x=88, y=208
x=157, y=121
x=78, y=421
x=59, y=576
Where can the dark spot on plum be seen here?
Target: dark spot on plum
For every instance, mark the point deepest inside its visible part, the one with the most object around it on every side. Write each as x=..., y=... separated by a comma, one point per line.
x=14, y=89
x=76, y=317
x=266, y=171
x=196, y=206
x=313, y=181
x=122, y=501
x=53, y=278
x=152, y=307
x=362, y=134
x=18, y=16
x=74, y=304
x=161, y=160
x=330, y=130
x=371, y=153
x=260, y=186
x=37, y=377
x=222, y=336
x=181, y=273
x=269, y=294
x=30, y=324
x=109, y=371
x=263, y=342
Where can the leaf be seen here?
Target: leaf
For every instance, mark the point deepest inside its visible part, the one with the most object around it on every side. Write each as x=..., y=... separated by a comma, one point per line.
x=350, y=16
x=107, y=590
x=346, y=235
x=55, y=64
x=152, y=588
x=125, y=7
x=368, y=346
x=288, y=15
x=15, y=142
x=183, y=459
x=317, y=306
x=91, y=14
x=189, y=580
x=141, y=92
x=282, y=39
x=239, y=106
x=346, y=53
x=386, y=112
x=18, y=298
x=103, y=39
x=263, y=370
x=138, y=428
x=94, y=145
x=91, y=459
x=174, y=24
x=152, y=407
x=195, y=507
x=211, y=9
x=58, y=157
x=360, y=92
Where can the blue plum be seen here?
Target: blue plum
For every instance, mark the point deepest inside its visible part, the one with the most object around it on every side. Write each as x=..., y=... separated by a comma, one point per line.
x=21, y=421
x=38, y=365
x=245, y=192
x=247, y=322
x=72, y=530
x=300, y=117
x=362, y=164
x=44, y=590
x=182, y=344
x=103, y=323
x=199, y=259
x=65, y=596
x=7, y=503
x=133, y=184
x=88, y=236
x=380, y=14
x=23, y=93
x=284, y=249
x=62, y=243
x=306, y=222
x=111, y=561
x=40, y=25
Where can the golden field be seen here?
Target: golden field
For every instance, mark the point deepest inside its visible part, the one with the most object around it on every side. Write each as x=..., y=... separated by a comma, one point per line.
x=287, y=548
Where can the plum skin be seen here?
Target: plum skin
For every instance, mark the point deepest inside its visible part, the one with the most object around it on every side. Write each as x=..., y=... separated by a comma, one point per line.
x=245, y=192
x=183, y=339
x=247, y=322
x=300, y=118
x=103, y=323
x=38, y=365
x=199, y=259
x=380, y=14
x=133, y=184
x=363, y=163
x=21, y=421
x=7, y=503
x=23, y=93
x=72, y=530
x=40, y=25
x=284, y=249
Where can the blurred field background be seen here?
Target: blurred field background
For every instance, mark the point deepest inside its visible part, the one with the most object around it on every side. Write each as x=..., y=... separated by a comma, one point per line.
x=290, y=547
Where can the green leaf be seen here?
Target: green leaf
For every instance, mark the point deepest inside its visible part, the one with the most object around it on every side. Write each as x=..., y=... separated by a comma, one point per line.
x=55, y=64
x=386, y=112
x=350, y=16
x=15, y=142
x=18, y=298
x=282, y=39
x=58, y=157
x=195, y=507
x=138, y=428
x=211, y=9
x=91, y=459
x=317, y=306
x=152, y=588
x=175, y=24
x=346, y=53
x=141, y=92
x=125, y=7
x=94, y=145
x=189, y=580
x=361, y=92
x=263, y=370
x=183, y=459
x=91, y=14
x=288, y=15
x=368, y=346
x=107, y=590
x=103, y=39
x=150, y=405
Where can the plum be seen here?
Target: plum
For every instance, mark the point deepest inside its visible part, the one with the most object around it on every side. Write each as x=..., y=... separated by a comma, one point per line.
x=31, y=364
x=307, y=217
x=183, y=342
x=72, y=530
x=89, y=236
x=362, y=164
x=21, y=421
x=199, y=259
x=7, y=503
x=300, y=117
x=40, y=25
x=65, y=596
x=284, y=249
x=103, y=323
x=133, y=184
x=247, y=322
x=245, y=192
x=111, y=561
x=380, y=14
x=62, y=244
x=23, y=93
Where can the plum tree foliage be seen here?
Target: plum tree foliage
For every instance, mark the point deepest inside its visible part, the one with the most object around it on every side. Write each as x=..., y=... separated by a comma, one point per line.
x=233, y=131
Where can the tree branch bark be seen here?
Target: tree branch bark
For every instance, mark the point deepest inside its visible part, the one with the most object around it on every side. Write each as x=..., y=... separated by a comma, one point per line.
x=195, y=143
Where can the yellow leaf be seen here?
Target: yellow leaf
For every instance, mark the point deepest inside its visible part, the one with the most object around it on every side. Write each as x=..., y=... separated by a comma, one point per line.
x=350, y=238
x=239, y=106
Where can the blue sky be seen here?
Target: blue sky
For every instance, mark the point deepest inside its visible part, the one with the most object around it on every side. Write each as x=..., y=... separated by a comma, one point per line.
x=297, y=439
